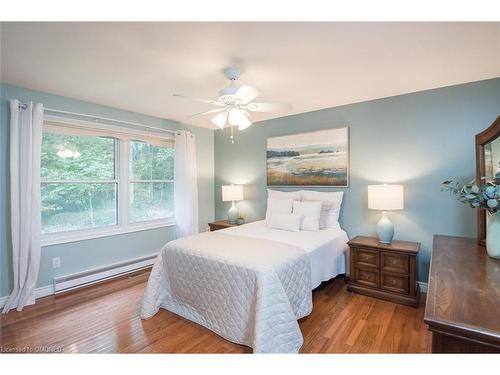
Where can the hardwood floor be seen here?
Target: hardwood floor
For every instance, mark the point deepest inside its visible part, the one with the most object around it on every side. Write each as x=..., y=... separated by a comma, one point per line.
x=105, y=318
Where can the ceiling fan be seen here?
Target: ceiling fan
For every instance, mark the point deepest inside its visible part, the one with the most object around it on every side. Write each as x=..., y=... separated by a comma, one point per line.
x=235, y=104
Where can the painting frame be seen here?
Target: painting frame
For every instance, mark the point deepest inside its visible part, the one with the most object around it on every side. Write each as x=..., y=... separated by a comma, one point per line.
x=337, y=138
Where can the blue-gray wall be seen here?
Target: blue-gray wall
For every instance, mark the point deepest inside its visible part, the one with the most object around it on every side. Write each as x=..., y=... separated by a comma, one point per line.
x=418, y=140
x=83, y=255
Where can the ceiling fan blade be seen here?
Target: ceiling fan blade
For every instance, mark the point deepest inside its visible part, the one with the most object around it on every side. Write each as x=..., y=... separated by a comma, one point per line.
x=213, y=102
x=268, y=107
x=216, y=110
x=239, y=118
x=220, y=119
x=246, y=94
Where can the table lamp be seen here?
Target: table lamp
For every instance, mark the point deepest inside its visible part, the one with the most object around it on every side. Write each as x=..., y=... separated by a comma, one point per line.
x=385, y=198
x=232, y=193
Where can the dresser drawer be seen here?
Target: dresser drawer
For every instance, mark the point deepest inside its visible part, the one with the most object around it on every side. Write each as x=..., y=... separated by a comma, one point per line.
x=366, y=257
x=367, y=276
x=396, y=263
x=395, y=283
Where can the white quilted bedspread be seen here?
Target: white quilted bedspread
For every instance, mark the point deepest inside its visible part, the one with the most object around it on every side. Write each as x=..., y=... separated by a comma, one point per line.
x=250, y=291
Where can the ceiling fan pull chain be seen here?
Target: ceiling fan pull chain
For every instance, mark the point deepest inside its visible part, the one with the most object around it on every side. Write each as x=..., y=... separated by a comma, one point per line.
x=232, y=135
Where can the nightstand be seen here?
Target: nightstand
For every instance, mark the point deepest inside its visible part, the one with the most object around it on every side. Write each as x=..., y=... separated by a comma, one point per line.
x=386, y=271
x=221, y=224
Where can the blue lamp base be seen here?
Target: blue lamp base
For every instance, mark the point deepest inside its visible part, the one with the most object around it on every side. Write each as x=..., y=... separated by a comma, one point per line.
x=385, y=229
x=232, y=214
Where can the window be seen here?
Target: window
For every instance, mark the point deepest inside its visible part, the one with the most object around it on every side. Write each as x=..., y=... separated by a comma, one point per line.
x=79, y=188
x=151, y=186
x=97, y=182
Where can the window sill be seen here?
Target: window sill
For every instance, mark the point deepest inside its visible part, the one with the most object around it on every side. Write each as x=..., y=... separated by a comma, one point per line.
x=60, y=238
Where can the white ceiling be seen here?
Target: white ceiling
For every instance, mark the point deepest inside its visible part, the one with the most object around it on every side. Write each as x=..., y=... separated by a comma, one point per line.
x=138, y=66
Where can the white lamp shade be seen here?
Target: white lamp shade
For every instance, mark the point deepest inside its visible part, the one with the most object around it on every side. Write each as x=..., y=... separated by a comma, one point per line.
x=385, y=197
x=220, y=119
x=232, y=193
x=238, y=118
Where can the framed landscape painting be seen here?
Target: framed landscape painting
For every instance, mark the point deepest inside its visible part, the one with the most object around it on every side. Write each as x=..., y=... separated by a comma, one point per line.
x=319, y=158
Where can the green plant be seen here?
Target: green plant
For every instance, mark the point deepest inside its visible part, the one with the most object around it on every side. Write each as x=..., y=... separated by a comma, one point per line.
x=486, y=196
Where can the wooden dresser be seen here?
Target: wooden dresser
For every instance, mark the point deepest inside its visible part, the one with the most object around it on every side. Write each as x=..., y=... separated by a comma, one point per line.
x=463, y=298
x=386, y=271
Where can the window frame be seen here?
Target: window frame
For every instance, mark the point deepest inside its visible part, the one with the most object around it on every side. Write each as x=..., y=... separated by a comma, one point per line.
x=123, y=136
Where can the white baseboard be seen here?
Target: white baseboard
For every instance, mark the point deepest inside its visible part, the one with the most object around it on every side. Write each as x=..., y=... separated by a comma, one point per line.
x=43, y=291
x=89, y=277
x=423, y=286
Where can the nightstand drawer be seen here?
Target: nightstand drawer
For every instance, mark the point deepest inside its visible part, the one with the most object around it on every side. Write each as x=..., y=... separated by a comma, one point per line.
x=367, y=276
x=396, y=263
x=395, y=283
x=386, y=271
x=366, y=257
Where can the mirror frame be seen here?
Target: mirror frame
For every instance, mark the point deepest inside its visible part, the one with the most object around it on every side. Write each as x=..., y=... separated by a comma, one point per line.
x=486, y=136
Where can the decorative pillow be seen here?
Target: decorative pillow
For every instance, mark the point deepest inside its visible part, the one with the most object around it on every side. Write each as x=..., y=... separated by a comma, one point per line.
x=278, y=206
x=330, y=209
x=311, y=211
x=289, y=222
x=276, y=194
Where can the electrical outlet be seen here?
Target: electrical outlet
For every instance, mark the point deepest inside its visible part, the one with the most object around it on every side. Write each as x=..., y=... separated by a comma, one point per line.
x=56, y=262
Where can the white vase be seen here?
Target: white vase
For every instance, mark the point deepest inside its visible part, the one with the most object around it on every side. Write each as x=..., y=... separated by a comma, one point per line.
x=493, y=236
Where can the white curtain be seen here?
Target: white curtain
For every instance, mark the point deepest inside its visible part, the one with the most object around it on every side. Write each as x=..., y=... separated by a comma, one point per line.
x=25, y=150
x=185, y=185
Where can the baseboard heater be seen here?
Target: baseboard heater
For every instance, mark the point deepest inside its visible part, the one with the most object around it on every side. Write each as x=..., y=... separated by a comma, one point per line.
x=81, y=279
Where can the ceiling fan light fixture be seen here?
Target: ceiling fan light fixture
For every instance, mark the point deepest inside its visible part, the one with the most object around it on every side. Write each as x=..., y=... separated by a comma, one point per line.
x=238, y=117
x=227, y=93
x=244, y=126
x=235, y=104
x=220, y=119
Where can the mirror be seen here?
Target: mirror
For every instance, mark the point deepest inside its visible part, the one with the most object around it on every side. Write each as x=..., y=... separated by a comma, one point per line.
x=492, y=160
x=487, y=167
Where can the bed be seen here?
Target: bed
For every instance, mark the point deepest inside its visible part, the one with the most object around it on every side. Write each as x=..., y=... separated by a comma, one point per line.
x=249, y=284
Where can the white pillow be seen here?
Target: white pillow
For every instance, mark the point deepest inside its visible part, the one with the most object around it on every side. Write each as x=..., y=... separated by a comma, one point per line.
x=278, y=206
x=311, y=211
x=289, y=222
x=330, y=209
x=276, y=194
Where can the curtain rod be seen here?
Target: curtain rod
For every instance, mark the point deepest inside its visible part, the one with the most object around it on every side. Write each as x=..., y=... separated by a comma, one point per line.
x=109, y=119
x=25, y=106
